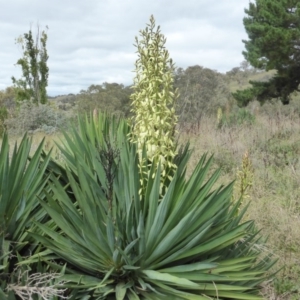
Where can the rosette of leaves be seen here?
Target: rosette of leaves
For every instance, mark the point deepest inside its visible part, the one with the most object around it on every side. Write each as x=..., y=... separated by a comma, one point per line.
x=114, y=243
x=22, y=180
x=154, y=118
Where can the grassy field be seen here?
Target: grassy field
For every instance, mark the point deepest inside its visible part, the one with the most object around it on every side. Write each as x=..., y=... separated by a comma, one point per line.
x=272, y=139
x=273, y=144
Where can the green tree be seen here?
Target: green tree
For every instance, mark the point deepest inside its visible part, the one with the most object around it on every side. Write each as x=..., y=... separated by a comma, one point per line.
x=202, y=91
x=35, y=71
x=273, y=28
x=109, y=97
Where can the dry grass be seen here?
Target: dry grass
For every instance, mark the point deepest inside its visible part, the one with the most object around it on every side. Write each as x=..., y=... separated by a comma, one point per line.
x=244, y=81
x=273, y=144
x=50, y=142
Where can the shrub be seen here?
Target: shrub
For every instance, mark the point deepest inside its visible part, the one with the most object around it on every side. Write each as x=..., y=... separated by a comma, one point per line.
x=238, y=117
x=3, y=117
x=32, y=117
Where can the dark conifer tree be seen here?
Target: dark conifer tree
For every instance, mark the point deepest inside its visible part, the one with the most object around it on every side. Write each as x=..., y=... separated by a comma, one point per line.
x=273, y=28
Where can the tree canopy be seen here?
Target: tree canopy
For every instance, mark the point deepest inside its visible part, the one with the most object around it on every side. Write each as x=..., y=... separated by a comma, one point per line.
x=273, y=28
x=35, y=71
x=201, y=92
x=109, y=97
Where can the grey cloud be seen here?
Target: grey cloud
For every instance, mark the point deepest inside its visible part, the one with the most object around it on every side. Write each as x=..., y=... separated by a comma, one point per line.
x=90, y=42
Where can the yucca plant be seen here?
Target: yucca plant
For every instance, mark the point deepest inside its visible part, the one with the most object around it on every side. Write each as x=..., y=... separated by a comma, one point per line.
x=22, y=179
x=119, y=244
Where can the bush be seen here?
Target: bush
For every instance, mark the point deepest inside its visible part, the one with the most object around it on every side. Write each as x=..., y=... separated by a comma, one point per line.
x=238, y=117
x=3, y=117
x=31, y=118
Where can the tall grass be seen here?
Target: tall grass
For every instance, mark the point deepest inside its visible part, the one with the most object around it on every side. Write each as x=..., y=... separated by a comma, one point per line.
x=273, y=144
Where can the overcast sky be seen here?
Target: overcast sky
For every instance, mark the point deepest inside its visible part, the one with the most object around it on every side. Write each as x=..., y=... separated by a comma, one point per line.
x=91, y=41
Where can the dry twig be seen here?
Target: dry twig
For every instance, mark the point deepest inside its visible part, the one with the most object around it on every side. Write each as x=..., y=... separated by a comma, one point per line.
x=38, y=284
